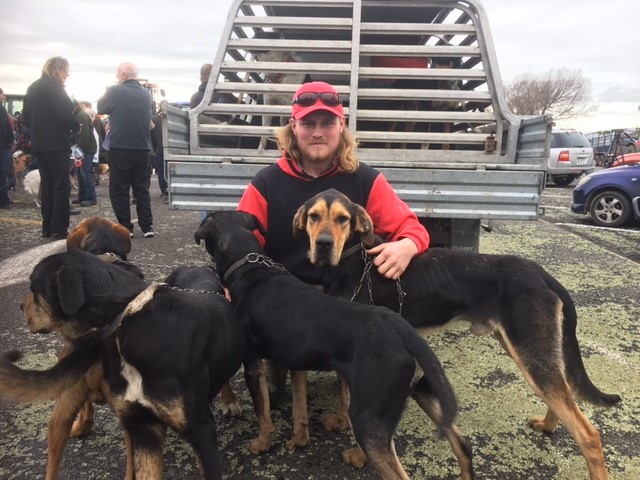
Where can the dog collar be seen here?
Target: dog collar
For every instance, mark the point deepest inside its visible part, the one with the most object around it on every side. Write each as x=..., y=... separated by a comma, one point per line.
x=134, y=306
x=252, y=258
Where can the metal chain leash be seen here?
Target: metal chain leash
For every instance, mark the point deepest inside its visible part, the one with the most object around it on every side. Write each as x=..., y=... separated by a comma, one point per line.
x=116, y=259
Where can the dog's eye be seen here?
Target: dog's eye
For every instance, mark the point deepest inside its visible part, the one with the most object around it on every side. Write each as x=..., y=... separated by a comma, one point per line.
x=314, y=217
x=342, y=219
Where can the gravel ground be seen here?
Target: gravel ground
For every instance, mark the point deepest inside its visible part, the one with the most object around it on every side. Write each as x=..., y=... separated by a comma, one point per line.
x=600, y=268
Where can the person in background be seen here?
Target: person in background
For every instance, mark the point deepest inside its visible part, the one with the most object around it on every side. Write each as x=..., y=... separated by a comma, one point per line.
x=196, y=98
x=156, y=141
x=7, y=140
x=88, y=145
x=128, y=105
x=48, y=113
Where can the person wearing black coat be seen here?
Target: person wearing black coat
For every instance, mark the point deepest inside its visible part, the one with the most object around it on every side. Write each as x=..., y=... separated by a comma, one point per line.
x=48, y=113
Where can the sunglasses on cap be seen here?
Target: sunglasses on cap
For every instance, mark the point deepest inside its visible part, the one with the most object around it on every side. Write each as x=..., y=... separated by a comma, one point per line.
x=330, y=99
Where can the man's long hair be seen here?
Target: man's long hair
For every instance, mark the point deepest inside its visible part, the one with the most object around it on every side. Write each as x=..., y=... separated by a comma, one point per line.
x=54, y=66
x=346, y=153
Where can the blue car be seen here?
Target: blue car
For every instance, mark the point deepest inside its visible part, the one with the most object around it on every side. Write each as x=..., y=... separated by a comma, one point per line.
x=610, y=196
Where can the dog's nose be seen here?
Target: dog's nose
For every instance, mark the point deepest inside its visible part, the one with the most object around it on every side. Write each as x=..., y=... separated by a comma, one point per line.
x=324, y=242
x=22, y=306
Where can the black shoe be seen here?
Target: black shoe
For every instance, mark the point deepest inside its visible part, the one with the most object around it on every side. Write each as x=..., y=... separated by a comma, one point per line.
x=5, y=207
x=76, y=202
x=73, y=211
x=58, y=236
x=87, y=203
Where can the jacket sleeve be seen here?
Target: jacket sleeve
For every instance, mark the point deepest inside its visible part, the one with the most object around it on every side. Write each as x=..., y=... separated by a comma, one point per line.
x=392, y=217
x=104, y=103
x=254, y=203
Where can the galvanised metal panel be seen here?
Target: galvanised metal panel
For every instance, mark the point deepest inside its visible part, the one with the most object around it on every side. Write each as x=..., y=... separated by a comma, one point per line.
x=513, y=195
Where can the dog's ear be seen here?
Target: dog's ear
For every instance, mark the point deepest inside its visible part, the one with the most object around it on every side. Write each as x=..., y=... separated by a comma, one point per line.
x=70, y=290
x=364, y=226
x=74, y=240
x=300, y=221
x=202, y=231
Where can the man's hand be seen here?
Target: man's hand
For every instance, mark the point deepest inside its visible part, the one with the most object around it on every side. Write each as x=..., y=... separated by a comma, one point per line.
x=393, y=257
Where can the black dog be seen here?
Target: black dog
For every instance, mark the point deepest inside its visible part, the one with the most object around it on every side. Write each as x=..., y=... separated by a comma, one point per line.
x=206, y=279
x=525, y=308
x=301, y=328
x=165, y=353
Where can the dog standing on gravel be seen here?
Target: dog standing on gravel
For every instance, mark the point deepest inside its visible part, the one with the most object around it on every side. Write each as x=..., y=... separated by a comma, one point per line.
x=165, y=352
x=382, y=359
x=530, y=313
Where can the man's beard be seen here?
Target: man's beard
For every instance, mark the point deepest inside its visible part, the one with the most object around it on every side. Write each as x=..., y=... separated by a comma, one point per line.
x=313, y=155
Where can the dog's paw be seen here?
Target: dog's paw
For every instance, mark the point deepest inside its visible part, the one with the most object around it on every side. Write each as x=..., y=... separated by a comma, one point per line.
x=260, y=445
x=355, y=457
x=232, y=409
x=299, y=439
x=84, y=421
x=540, y=424
x=336, y=422
x=229, y=403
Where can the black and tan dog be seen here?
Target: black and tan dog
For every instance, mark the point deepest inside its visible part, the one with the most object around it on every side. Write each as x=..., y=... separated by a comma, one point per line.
x=300, y=328
x=164, y=353
x=525, y=308
x=99, y=235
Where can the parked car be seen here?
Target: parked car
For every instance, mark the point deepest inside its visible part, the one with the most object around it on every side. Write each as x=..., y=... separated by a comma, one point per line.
x=571, y=155
x=627, y=159
x=611, y=197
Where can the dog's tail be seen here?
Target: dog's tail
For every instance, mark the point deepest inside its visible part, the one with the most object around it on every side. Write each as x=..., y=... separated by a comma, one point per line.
x=434, y=376
x=23, y=385
x=575, y=371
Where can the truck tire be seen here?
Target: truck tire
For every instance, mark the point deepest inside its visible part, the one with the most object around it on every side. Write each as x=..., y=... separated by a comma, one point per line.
x=610, y=208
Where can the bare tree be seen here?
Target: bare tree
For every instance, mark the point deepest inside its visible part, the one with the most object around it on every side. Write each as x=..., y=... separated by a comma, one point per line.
x=562, y=92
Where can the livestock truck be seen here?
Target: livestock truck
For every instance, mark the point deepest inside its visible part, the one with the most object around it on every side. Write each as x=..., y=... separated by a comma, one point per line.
x=422, y=91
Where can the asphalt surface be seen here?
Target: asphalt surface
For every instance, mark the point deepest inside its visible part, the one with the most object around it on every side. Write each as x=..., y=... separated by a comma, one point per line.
x=601, y=269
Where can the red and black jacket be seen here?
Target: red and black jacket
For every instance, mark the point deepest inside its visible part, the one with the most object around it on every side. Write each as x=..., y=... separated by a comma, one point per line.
x=277, y=191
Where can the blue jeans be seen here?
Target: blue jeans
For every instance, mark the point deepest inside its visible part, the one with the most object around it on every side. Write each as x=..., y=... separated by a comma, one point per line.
x=86, y=185
x=6, y=175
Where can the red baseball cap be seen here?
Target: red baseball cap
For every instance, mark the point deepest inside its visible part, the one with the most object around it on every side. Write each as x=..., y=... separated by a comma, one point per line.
x=330, y=102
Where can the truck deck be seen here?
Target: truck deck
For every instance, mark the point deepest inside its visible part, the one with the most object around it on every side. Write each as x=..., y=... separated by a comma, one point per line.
x=422, y=91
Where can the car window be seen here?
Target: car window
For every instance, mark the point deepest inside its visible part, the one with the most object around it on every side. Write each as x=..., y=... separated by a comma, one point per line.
x=569, y=140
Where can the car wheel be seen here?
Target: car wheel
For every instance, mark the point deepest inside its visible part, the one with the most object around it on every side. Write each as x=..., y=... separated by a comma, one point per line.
x=599, y=159
x=610, y=209
x=562, y=181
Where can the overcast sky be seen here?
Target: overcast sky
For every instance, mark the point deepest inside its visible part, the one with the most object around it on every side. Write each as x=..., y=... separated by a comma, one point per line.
x=168, y=41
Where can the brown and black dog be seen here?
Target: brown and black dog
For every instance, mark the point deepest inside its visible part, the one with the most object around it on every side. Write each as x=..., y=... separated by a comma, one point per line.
x=382, y=359
x=530, y=313
x=164, y=353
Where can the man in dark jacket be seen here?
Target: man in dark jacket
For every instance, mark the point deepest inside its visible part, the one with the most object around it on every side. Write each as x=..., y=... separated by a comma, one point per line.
x=128, y=105
x=48, y=113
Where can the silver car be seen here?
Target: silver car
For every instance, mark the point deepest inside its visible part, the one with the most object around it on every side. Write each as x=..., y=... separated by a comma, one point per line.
x=571, y=155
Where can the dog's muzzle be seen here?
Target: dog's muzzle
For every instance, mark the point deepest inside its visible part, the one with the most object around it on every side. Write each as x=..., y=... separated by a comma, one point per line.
x=324, y=250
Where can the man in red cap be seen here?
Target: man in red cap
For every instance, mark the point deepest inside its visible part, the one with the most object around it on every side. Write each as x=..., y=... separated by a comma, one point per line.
x=319, y=153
